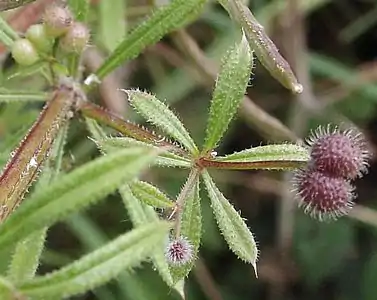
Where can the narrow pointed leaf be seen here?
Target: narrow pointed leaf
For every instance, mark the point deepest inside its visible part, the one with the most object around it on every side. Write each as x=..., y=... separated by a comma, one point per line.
x=150, y=195
x=77, y=190
x=160, y=115
x=229, y=91
x=164, y=20
x=266, y=51
x=100, y=266
x=236, y=233
x=191, y=228
x=165, y=159
x=277, y=157
x=141, y=214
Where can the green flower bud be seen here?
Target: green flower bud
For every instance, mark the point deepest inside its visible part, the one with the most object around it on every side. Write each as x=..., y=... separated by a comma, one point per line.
x=24, y=52
x=57, y=20
x=76, y=39
x=37, y=35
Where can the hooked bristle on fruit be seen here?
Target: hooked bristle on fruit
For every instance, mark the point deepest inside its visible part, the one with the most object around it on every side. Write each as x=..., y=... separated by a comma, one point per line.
x=339, y=153
x=322, y=195
x=179, y=251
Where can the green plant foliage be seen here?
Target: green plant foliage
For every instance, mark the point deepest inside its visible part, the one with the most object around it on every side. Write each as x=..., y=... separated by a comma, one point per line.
x=229, y=91
x=284, y=152
x=159, y=114
x=165, y=159
x=165, y=19
x=191, y=228
x=74, y=191
x=150, y=195
x=232, y=226
x=80, y=9
x=156, y=238
x=98, y=267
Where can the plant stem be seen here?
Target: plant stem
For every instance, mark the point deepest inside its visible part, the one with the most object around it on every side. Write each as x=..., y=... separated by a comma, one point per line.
x=275, y=164
x=127, y=128
x=185, y=192
x=10, y=4
x=26, y=161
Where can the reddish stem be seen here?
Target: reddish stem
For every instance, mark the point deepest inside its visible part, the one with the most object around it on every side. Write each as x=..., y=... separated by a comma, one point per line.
x=274, y=164
x=25, y=162
x=125, y=127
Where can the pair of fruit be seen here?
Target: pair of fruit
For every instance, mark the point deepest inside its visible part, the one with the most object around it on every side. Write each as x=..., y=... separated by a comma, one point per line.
x=39, y=38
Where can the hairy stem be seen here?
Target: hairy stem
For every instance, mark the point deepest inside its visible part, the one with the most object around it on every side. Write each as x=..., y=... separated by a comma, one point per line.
x=26, y=161
x=127, y=128
x=275, y=164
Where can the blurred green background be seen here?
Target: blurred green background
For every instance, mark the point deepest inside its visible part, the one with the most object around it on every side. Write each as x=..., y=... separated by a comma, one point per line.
x=332, y=46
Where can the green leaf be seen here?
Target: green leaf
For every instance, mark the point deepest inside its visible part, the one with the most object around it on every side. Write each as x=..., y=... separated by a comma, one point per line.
x=283, y=152
x=165, y=159
x=164, y=20
x=77, y=190
x=191, y=228
x=150, y=195
x=266, y=51
x=100, y=266
x=21, y=96
x=232, y=226
x=80, y=9
x=229, y=91
x=141, y=214
x=111, y=15
x=159, y=114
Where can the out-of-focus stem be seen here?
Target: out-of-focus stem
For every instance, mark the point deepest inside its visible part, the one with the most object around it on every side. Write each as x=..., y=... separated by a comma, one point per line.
x=125, y=127
x=26, y=161
x=10, y=4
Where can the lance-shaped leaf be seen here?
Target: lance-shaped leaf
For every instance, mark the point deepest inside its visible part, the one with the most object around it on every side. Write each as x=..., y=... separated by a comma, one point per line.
x=140, y=214
x=266, y=51
x=100, y=266
x=232, y=226
x=191, y=228
x=164, y=20
x=77, y=190
x=150, y=195
x=229, y=91
x=160, y=115
x=277, y=157
x=165, y=159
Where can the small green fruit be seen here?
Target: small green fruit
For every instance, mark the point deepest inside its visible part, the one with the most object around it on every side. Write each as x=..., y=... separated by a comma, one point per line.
x=24, y=52
x=37, y=35
x=57, y=20
x=76, y=39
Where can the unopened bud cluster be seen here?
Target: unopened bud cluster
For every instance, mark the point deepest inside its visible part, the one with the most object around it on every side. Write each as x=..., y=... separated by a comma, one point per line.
x=58, y=23
x=179, y=251
x=323, y=188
